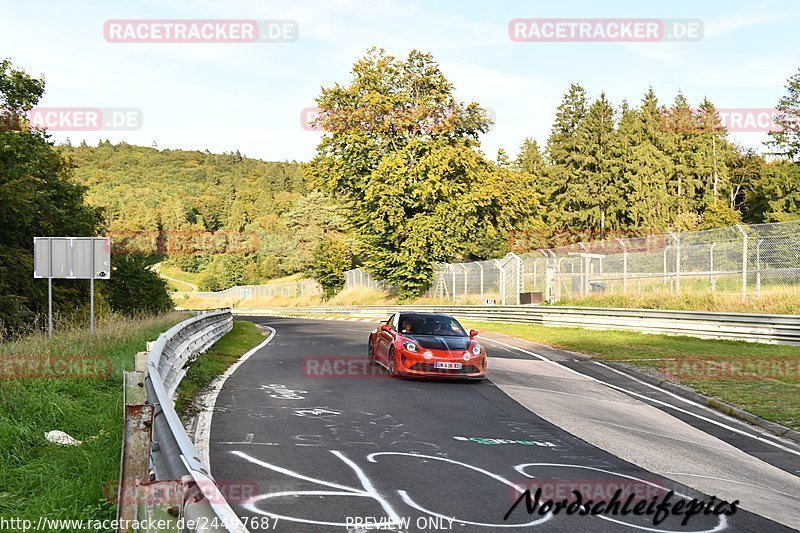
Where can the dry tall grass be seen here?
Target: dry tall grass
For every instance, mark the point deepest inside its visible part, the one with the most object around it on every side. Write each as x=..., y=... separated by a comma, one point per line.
x=783, y=300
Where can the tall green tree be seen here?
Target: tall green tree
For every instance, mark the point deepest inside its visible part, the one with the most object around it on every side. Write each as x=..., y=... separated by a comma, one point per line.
x=594, y=194
x=401, y=152
x=712, y=153
x=37, y=198
x=332, y=257
x=565, y=155
x=775, y=195
x=530, y=158
x=648, y=167
x=786, y=139
x=680, y=121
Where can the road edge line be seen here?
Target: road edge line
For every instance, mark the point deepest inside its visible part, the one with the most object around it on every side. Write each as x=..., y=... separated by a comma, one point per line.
x=202, y=434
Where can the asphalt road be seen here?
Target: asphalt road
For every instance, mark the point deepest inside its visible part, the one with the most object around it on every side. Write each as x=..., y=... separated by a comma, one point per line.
x=319, y=444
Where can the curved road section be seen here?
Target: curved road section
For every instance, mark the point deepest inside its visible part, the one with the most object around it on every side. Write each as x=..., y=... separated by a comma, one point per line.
x=308, y=437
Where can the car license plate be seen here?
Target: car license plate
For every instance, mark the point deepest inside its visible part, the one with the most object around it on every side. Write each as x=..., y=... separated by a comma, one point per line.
x=446, y=365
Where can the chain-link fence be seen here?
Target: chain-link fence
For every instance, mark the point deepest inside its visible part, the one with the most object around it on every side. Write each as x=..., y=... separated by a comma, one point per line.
x=254, y=293
x=746, y=260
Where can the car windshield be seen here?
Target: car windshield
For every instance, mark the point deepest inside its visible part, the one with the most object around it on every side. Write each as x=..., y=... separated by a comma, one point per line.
x=431, y=325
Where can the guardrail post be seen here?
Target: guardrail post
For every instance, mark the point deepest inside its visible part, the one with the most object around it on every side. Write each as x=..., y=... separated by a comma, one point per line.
x=136, y=439
x=744, y=262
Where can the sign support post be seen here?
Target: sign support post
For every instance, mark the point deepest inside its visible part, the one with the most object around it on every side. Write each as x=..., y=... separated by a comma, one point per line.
x=50, y=291
x=91, y=296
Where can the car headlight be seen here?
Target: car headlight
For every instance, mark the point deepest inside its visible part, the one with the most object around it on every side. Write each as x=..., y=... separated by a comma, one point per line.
x=476, y=350
x=410, y=346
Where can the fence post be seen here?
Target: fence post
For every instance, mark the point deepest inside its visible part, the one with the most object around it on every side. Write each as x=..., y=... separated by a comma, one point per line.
x=584, y=269
x=677, y=263
x=466, y=270
x=758, y=268
x=520, y=287
x=502, y=281
x=744, y=262
x=453, y=270
x=666, y=248
x=711, y=266
x=624, y=266
x=480, y=266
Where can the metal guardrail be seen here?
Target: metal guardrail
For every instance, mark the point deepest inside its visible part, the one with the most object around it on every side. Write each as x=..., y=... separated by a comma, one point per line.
x=179, y=490
x=769, y=329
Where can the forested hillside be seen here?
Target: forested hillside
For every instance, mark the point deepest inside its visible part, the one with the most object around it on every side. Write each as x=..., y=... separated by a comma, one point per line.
x=269, y=218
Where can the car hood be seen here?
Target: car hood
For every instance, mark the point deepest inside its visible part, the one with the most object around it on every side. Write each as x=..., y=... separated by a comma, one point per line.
x=436, y=342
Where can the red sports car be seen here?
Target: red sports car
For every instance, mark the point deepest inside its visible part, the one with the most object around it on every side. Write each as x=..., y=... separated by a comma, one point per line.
x=427, y=345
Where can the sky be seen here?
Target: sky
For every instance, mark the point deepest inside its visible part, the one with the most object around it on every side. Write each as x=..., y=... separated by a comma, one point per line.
x=251, y=97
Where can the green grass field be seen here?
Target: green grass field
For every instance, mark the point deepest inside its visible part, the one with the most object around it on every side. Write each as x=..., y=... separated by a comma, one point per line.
x=39, y=478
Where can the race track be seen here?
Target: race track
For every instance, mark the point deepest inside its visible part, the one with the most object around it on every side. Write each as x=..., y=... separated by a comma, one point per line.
x=325, y=450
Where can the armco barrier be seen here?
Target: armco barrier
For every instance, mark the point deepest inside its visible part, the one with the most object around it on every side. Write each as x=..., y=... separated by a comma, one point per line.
x=162, y=476
x=770, y=329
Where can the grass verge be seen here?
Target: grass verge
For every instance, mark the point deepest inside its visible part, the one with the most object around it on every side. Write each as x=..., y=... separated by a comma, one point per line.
x=38, y=478
x=225, y=352
x=697, y=363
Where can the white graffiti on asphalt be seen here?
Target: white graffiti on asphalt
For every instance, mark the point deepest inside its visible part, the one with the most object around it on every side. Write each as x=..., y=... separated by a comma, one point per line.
x=281, y=392
x=368, y=490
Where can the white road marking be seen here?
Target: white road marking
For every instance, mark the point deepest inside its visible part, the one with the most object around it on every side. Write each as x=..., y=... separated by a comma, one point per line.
x=202, y=434
x=411, y=503
x=648, y=398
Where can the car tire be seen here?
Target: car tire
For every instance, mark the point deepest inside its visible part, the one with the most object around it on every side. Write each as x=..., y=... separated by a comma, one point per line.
x=371, y=352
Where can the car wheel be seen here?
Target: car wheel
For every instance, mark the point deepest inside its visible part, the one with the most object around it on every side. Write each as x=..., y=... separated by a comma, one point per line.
x=392, y=363
x=371, y=352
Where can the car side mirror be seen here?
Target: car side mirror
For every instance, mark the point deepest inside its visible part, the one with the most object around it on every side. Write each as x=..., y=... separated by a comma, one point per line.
x=386, y=328
x=473, y=333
